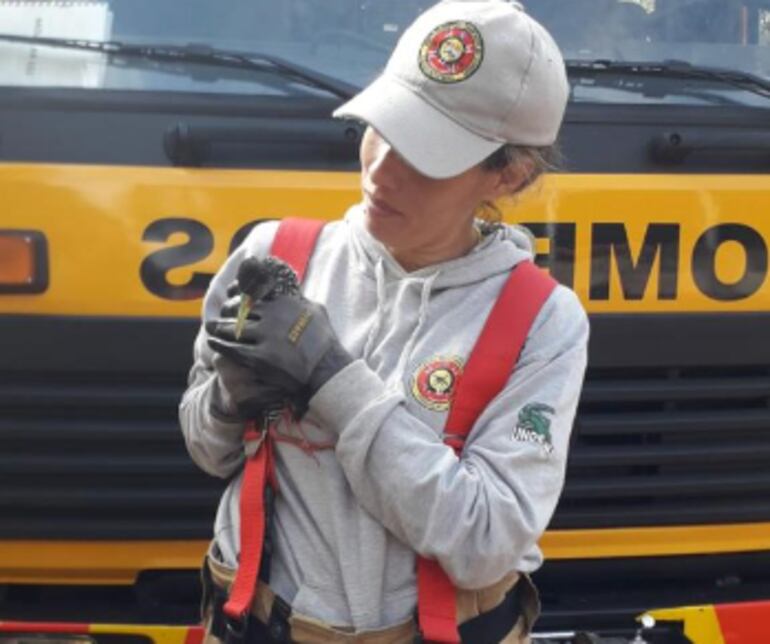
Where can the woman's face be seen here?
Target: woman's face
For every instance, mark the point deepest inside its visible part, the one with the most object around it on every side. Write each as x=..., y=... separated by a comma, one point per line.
x=414, y=214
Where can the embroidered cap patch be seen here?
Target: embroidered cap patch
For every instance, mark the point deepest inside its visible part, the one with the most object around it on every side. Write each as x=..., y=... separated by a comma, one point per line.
x=434, y=382
x=451, y=52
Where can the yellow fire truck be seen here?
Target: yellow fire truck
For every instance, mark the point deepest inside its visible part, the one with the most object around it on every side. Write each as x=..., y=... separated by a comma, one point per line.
x=140, y=140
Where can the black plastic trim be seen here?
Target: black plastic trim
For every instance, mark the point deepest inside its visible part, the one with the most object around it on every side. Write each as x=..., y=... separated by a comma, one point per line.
x=672, y=428
x=84, y=476
x=45, y=125
x=39, y=243
x=138, y=101
x=607, y=594
x=192, y=146
x=78, y=343
x=68, y=99
x=679, y=339
x=110, y=345
x=598, y=595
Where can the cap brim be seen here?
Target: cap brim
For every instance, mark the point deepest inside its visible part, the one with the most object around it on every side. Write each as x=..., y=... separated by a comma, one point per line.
x=425, y=137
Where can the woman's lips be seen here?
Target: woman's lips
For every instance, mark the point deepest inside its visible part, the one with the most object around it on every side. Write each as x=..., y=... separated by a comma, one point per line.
x=379, y=207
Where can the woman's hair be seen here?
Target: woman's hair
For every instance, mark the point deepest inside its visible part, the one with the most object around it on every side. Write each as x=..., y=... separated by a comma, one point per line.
x=537, y=160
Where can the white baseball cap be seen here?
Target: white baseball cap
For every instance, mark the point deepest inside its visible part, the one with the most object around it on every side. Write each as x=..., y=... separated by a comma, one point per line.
x=466, y=77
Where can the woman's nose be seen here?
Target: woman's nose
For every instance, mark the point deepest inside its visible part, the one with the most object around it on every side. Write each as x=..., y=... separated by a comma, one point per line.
x=387, y=168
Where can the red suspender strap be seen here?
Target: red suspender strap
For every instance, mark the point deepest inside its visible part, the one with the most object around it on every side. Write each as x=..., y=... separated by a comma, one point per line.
x=252, y=508
x=497, y=349
x=293, y=243
x=489, y=366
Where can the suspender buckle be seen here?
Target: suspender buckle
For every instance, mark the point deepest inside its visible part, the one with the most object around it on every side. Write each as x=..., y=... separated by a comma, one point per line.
x=256, y=433
x=278, y=625
x=236, y=629
x=252, y=441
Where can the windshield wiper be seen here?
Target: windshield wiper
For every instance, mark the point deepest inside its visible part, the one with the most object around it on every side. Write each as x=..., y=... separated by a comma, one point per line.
x=202, y=54
x=672, y=69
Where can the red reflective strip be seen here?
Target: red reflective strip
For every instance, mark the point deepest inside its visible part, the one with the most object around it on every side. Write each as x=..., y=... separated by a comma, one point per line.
x=252, y=510
x=294, y=242
x=744, y=623
x=489, y=366
x=44, y=627
x=194, y=635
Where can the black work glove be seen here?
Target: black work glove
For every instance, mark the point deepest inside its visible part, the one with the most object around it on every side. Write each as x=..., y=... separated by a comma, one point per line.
x=242, y=395
x=240, y=392
x=287, y=342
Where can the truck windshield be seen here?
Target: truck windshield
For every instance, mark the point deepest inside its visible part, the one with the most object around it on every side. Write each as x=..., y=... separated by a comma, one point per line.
x=350, y=40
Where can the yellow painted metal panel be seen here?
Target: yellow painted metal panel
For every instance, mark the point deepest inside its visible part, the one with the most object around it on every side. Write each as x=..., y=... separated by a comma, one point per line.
x=97, y=221
x=701, y=624
x=119, y=562
x=646, y=542
x=94, y=562
x=690, y=205
x=158, y=634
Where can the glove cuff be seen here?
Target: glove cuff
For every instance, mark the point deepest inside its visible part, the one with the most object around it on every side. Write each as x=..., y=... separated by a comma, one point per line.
x=331, y=363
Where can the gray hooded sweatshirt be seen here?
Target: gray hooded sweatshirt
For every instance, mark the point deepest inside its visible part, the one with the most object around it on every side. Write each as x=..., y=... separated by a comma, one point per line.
x=349, y=518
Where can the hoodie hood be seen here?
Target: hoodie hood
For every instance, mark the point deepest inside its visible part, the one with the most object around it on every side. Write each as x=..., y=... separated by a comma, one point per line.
x=497, y=253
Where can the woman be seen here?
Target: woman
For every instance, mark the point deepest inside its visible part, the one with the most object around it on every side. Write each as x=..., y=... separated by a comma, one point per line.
x=394, y=299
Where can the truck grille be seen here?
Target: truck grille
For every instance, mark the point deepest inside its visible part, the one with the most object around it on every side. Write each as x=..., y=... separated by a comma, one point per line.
x=669, y=446
x=85, y=458
x=90, y=445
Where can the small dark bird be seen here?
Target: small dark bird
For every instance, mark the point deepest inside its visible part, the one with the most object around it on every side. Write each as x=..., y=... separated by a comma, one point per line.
x=262, y=279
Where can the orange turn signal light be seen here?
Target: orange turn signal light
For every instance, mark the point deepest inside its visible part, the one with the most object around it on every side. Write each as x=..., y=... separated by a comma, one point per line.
x=23, y=261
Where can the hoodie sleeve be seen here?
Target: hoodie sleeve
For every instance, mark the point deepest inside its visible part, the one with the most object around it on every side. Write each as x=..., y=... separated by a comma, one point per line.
x=480, y=514
x=212, y=432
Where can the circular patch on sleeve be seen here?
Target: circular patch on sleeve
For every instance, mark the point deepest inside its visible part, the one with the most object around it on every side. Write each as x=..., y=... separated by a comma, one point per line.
x=451, y=52
x=435, y=380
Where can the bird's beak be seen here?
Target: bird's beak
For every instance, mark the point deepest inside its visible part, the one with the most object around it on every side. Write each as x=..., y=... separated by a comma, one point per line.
x=243, y=313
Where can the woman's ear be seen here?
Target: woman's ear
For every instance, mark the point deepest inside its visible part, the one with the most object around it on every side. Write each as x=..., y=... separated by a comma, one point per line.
x=514, y=177
x=507, y=181
x=510, y=179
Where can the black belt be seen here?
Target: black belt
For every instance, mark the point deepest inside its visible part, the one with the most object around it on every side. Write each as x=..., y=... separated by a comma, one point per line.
x=491, y=627
x=488, y=628
x=249, y=630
